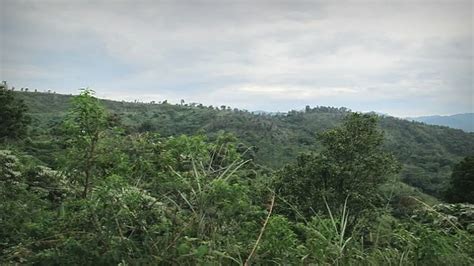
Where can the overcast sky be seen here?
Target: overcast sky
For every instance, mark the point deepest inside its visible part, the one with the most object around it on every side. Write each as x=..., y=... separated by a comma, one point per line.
x=405, y=58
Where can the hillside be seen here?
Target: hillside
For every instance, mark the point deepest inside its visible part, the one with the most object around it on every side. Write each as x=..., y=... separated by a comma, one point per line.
x=101, y=186
x=459, y=121
x=427, y=152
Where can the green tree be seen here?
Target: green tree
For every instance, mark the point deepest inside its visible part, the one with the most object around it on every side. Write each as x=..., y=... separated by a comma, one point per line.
x=462, y=182
x=13, y=117
x=352, y=165
x=84, y=126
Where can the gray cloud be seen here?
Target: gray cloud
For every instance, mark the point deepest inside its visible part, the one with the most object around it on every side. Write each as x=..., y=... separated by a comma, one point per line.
x=366, y=55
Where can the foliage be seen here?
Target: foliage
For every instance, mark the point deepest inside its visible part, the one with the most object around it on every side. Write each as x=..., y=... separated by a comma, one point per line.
x=461, y=187
x=25, y=211
x=13, y=117
x=427, y=153
x=450, y=217
x=352, y=165
x=203, y=199
x=84, y=126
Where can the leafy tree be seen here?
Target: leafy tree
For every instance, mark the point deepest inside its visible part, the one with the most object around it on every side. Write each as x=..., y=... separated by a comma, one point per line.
x=462, y=182
x=357, y=161
x=84, y=127
x=352, y=165
x=13, y=117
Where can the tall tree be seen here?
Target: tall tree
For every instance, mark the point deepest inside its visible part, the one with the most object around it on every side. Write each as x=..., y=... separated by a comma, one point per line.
x=351, y=166
x=13, y=118
x=84, y=127
x=462, y=182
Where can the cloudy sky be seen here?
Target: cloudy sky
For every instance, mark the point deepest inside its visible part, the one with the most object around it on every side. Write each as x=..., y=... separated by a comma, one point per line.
x=405, y=58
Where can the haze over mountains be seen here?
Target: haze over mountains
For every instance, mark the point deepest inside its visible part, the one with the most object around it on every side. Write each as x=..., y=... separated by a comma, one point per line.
x=459, y=121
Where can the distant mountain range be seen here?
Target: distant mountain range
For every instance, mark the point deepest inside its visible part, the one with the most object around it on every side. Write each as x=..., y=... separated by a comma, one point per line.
x=460, y=121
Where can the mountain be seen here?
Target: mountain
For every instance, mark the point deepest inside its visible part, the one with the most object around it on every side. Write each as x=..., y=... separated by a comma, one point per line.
x=460, y=121
x=426, y=153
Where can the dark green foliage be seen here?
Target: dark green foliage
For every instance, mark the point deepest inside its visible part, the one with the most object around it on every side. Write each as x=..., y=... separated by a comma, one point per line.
x=461, y=187
x=352, y=165
x=357, y=163
x=13, y=117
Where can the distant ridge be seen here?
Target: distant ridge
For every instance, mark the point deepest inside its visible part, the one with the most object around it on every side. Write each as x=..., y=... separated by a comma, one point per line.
x=459, y=121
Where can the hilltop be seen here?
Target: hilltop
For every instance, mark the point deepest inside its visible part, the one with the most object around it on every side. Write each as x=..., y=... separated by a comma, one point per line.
x=427, y=152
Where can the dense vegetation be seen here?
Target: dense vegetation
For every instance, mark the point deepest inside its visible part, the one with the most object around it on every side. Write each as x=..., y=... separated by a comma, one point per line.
x=101, y=182
x=427, y=153
x=461, y=186
x=13, y=116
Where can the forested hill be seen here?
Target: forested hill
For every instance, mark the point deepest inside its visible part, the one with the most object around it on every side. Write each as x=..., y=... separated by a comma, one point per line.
x=427, y=152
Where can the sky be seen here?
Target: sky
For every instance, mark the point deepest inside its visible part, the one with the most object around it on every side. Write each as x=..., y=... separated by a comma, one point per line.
x=403, y=58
